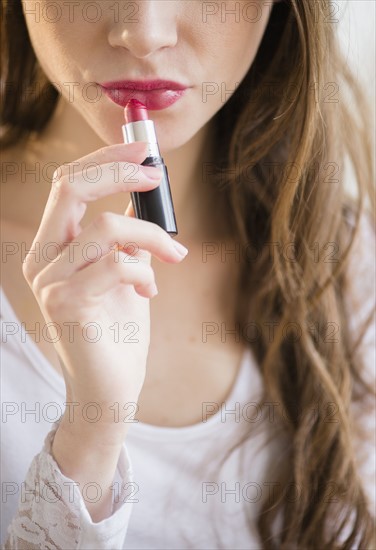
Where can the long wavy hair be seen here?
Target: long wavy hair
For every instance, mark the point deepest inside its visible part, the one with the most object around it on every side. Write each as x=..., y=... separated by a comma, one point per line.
x=283, y=137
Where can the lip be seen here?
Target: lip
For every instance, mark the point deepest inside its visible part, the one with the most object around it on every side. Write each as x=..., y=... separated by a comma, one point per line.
x=154, y=94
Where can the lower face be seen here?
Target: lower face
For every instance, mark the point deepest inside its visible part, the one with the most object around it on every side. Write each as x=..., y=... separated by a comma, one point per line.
x=99, y=54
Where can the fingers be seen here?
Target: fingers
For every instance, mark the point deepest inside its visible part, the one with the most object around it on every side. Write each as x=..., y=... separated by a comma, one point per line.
x=69, y=194
x=110, y=232
x=66, y=204
x=88, y=286
x=132, y=152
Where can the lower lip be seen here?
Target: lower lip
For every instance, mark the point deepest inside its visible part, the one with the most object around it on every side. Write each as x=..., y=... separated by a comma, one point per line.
x=154, y=100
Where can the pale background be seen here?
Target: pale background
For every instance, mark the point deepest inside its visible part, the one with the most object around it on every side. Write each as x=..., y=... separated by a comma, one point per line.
x=356, y=30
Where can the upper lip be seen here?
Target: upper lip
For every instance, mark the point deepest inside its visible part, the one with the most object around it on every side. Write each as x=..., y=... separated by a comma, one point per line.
x=143, y=85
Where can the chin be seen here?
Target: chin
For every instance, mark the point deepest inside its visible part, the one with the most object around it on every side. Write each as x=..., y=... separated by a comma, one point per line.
x=175, y=134
x=174, y=128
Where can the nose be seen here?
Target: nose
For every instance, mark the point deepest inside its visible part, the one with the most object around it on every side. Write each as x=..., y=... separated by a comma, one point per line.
x=144, y=27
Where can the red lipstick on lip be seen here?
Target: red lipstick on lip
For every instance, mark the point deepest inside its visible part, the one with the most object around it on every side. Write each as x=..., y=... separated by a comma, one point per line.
x=156, y=205
x=144, y=85
x=154, y=94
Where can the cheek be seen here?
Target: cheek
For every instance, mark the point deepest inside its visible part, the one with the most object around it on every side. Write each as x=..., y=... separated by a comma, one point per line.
x=234, y=47
x=226, y=53
x=56, y=40
x=49, y=53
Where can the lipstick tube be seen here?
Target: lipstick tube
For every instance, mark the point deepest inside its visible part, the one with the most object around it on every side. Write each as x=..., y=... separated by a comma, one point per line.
x=156, y=205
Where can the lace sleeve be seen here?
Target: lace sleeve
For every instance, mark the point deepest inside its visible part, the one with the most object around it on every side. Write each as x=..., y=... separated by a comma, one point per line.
x=52, y=513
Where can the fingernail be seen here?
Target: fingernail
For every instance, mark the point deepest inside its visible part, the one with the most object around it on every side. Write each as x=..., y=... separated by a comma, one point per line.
x=141, y=145
x=180, y=249
x=152, y=173
x=153, y=289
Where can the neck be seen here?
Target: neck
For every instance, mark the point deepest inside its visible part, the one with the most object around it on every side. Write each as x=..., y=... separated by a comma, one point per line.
x=60, y=144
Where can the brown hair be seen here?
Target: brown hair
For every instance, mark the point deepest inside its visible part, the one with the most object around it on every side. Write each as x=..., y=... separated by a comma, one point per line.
x=282, y=115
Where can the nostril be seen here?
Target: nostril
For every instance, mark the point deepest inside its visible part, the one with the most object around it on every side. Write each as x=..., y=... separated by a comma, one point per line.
x=149, y=33
x=141, y=47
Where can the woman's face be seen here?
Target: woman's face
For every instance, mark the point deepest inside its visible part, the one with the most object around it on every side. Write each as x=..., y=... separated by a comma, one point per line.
x=204, y=48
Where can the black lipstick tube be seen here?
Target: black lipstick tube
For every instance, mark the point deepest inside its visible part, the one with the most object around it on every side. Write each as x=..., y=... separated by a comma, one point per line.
x=156, y=205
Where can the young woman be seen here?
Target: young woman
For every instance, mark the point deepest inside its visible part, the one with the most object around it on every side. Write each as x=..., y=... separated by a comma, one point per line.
x=158, y=399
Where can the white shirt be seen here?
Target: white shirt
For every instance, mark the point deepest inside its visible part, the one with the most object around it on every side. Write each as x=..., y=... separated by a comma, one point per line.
x=172, y=492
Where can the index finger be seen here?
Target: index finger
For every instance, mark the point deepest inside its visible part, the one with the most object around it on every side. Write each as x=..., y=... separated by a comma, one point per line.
x=66, y=206
x=137, y=151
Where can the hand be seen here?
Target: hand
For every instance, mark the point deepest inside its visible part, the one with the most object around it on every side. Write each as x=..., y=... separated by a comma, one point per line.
x=99, y=307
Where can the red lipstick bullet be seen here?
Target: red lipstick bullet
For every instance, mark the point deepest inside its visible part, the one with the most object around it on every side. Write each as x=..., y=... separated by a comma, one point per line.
x=156, y=205
x=135, y=111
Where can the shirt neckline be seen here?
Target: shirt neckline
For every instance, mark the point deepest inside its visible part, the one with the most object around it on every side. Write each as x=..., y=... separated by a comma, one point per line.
x=138, y=429
x=240, y=388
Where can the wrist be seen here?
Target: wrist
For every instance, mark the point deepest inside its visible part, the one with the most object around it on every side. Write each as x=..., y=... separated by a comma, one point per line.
x=105, y=435
x=78, y=454
x=99, y=421
x=90, y=462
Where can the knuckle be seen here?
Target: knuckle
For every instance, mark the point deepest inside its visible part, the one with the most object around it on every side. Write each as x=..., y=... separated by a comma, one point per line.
x=37, y=284
x=62, y=186
x=111, y=258
x=53, y=298
x=57, y=174
x=105, y=222
x=162, y=235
